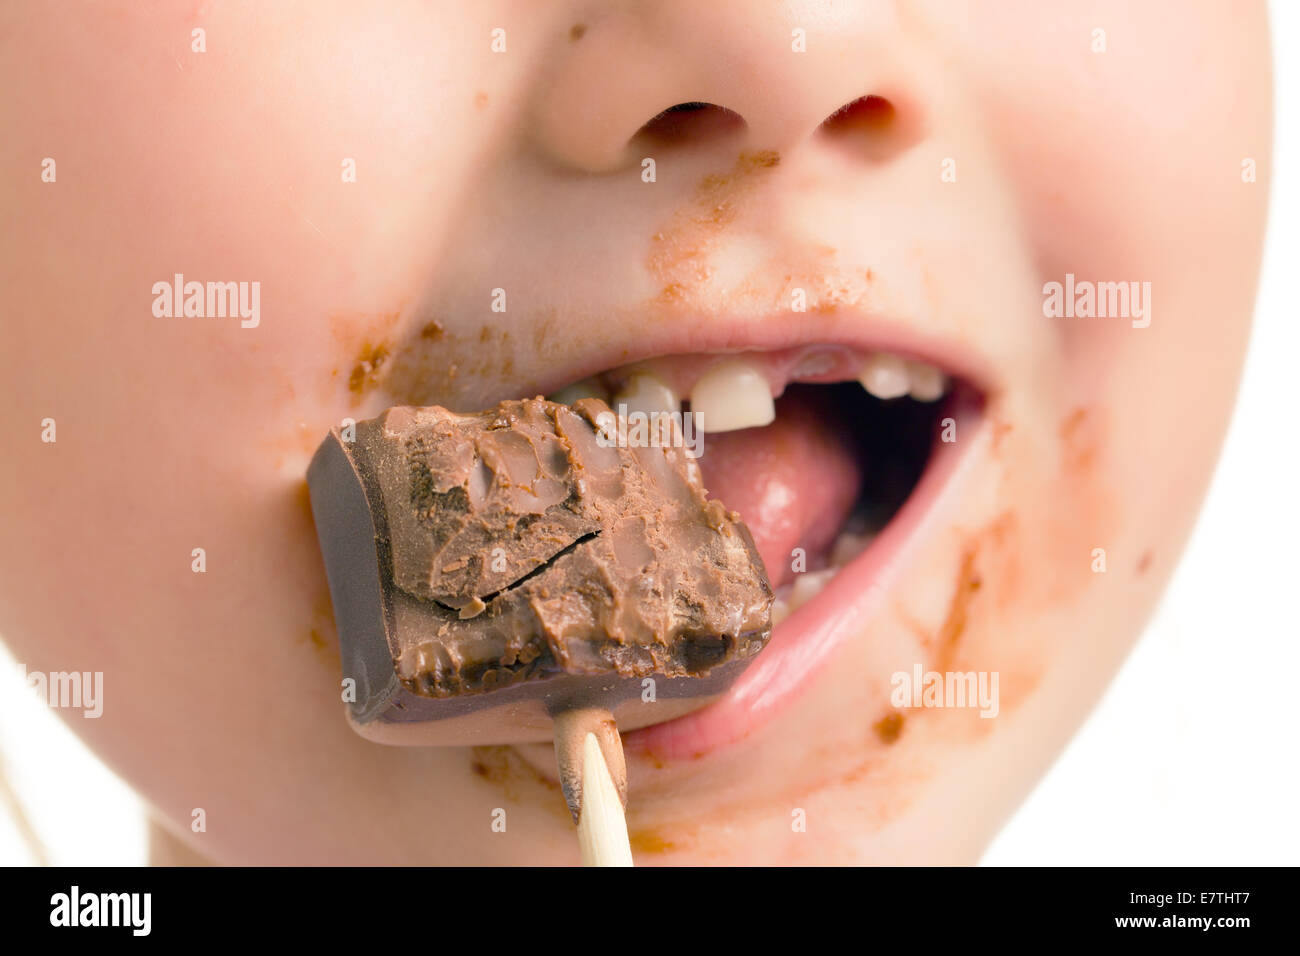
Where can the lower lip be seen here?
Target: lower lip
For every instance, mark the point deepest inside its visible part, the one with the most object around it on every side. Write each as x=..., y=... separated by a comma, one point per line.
x=809, y=637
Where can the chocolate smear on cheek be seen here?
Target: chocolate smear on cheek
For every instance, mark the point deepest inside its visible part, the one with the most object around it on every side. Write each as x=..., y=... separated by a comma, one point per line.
x=424, y=360
x=365, y=347
x=967, y=586
x=889, y=727
x=365, y=372
x=438, y=363
x=1030, y=562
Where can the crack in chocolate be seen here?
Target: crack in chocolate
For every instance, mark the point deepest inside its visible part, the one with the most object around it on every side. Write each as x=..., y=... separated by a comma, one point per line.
x=542, y=568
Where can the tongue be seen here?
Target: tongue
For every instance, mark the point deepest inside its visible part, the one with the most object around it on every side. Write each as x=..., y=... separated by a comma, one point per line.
x=794, y=482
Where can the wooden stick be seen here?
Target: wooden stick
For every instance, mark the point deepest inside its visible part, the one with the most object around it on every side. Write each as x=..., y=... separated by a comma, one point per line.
x=602, y=828
x=593, y=775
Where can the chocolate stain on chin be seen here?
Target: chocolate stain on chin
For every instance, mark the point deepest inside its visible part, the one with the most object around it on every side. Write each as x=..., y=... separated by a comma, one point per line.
x=889, y=727
x=518, y=780
x=652, y=841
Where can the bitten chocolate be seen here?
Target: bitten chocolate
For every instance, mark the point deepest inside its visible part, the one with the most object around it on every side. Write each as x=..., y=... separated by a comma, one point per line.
x=516, y=561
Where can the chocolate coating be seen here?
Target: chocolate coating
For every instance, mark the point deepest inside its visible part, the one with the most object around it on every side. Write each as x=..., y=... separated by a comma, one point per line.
x=479, y=560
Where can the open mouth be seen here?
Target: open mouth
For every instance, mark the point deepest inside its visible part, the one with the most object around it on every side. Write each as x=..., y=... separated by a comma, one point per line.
x=832, y=455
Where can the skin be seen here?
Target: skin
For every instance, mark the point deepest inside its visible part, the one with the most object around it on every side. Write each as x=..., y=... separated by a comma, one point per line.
x=478, y=171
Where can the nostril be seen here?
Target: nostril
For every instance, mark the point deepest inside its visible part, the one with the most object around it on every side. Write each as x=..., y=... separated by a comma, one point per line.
x=689, y=123
x=871, y=126
x=867, y=114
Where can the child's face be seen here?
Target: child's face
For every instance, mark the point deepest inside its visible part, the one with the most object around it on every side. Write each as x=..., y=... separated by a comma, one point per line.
x=1019, y=151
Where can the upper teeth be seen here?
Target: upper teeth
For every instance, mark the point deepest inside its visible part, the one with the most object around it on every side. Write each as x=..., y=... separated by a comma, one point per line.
x=587, y=388
x=644, y=392
x=889, y=376
x=735, y=394
x=807, y=585
x=731, y=396
x=928, y=382
x=885, y=376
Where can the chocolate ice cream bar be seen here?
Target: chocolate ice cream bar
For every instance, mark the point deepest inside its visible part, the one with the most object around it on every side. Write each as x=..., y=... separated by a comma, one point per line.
x=491, y=570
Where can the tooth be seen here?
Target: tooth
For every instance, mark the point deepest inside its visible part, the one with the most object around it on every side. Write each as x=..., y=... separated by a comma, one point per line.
x=587, y=388
x=780, y=611
x=732, y=396
x=885, y=376
x=807, y=585
x=644, y=392
x=927, y=382
x=848, y=546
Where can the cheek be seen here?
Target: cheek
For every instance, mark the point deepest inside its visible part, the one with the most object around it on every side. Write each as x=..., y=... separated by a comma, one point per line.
x=242, y=163
x=1123, y=138
x=179, y=433
x=1017, y=567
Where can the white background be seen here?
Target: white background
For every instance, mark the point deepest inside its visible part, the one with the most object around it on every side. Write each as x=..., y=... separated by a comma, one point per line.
x=1191, y=757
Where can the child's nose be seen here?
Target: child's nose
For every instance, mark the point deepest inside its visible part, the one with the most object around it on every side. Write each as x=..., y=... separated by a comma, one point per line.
x=684, y=74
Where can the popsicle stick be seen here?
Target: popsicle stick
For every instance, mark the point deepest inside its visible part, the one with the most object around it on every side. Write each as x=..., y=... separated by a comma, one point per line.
x=593, y=775
x=602, y=827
